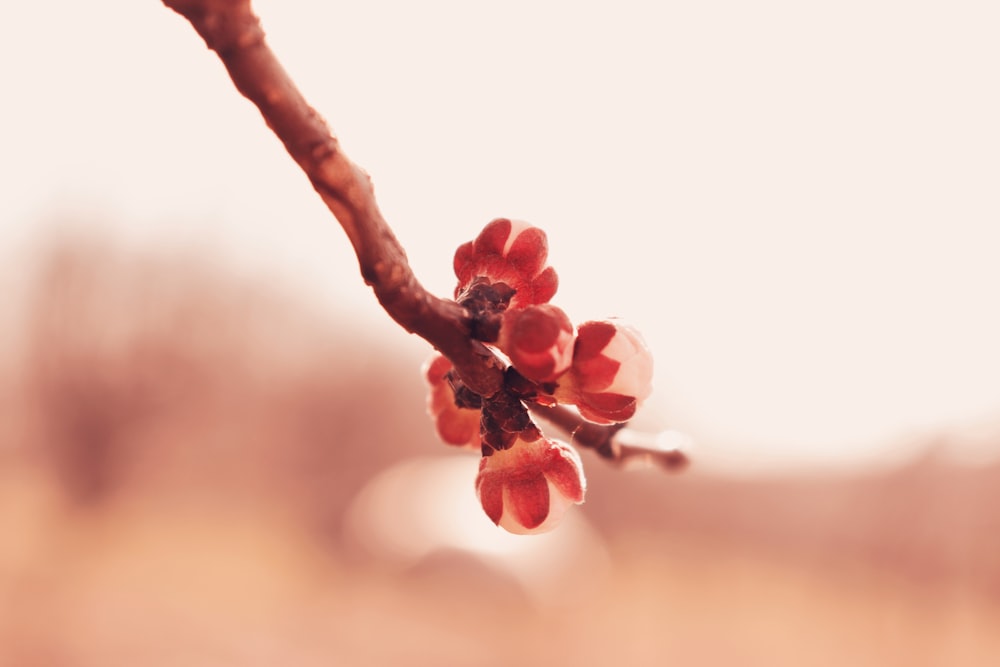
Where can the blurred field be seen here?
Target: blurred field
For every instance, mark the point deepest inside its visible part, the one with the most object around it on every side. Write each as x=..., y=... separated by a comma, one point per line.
x=198, y=470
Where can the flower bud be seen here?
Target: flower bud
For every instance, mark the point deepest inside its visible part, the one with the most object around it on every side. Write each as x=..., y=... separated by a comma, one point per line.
x=509, y=252
x=455, y=425
x=527, y=488
x=612, y=372
x=538, y=340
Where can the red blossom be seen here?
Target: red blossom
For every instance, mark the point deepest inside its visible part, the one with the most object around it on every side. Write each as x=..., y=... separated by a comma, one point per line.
x=454, y=425
x=538, y=340
x=528, y=488
x=612, y=372
x=510, y=252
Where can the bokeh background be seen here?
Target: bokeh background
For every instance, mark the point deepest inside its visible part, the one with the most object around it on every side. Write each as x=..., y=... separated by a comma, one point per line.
x=213, y=448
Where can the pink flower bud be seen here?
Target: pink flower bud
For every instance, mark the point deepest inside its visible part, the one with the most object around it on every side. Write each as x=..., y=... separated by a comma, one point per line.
x=454, y=425
x=612, y=372
x=538, y=340
x=513, y=253
x=527, y=488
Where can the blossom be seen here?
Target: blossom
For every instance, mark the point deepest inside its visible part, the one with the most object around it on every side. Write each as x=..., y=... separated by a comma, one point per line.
x=526, y=481
x=612, y=372
x=509, y=252
x=538, y=340
x=528, y=488
x=455, y=425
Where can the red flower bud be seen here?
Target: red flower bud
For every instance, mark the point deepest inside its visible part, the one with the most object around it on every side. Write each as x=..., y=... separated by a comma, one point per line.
x=529, y=487
x=513, y=253
x=612, y=372
x=454, y=425
x=538, y=340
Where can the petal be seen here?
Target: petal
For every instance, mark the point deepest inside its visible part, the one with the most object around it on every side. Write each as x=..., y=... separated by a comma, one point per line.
x=528, y=252
x=606, y=408
x=536, y=328
x=636, y=375
x=538, y=340
x=464, y=263
x=490, y=491
x=459, y=426
x=592, y=338
x=597, y=374
x=454, y=425
x=527, y=499
x=539, y=289
x=435, y=368
x=562, y=467
x=493, y=238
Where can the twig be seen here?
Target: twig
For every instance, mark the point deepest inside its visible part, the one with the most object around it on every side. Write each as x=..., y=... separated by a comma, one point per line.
x=617, y=443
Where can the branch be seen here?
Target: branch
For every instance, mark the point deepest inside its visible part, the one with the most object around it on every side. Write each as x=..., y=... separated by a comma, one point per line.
x=617, y=443
x=233, y=31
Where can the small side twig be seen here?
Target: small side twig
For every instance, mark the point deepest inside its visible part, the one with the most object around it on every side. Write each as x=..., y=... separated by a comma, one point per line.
x=616, y=442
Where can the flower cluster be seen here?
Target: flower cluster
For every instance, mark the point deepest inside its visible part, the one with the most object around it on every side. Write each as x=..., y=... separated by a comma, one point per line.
x=527, y=481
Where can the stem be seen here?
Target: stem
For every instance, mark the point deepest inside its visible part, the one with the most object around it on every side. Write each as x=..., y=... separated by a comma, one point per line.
x=234, y=33
x=613, y=442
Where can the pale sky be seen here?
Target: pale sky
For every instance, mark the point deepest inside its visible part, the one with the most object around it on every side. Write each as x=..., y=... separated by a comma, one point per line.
x=797, y=203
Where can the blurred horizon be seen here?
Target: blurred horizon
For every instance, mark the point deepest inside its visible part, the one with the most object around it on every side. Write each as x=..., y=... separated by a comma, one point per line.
x=199, y=466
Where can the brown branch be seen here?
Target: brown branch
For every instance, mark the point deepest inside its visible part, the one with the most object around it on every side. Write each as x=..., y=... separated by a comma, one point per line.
x=615, y=443
x=233, y=31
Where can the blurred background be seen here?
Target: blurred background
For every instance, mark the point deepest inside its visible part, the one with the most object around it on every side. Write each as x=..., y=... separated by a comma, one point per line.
x=213, y=446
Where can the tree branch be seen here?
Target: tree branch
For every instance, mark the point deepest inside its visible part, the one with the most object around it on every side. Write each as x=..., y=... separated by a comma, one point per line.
x=233, y=31
x=615, y=442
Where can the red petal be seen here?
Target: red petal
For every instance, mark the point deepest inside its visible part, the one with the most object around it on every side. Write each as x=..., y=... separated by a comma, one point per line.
x=493, y=238
x=594, y=371
x=544, y=286
x=564, y=474
x=529, y=500
x=463, y=262
x=536, y=328
x=607, y=408
x=596, y=374
x=458, y=426
x=539, y=289
x=528, y=252
x=490, y=492
x=437, y=369
x=592, y=338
